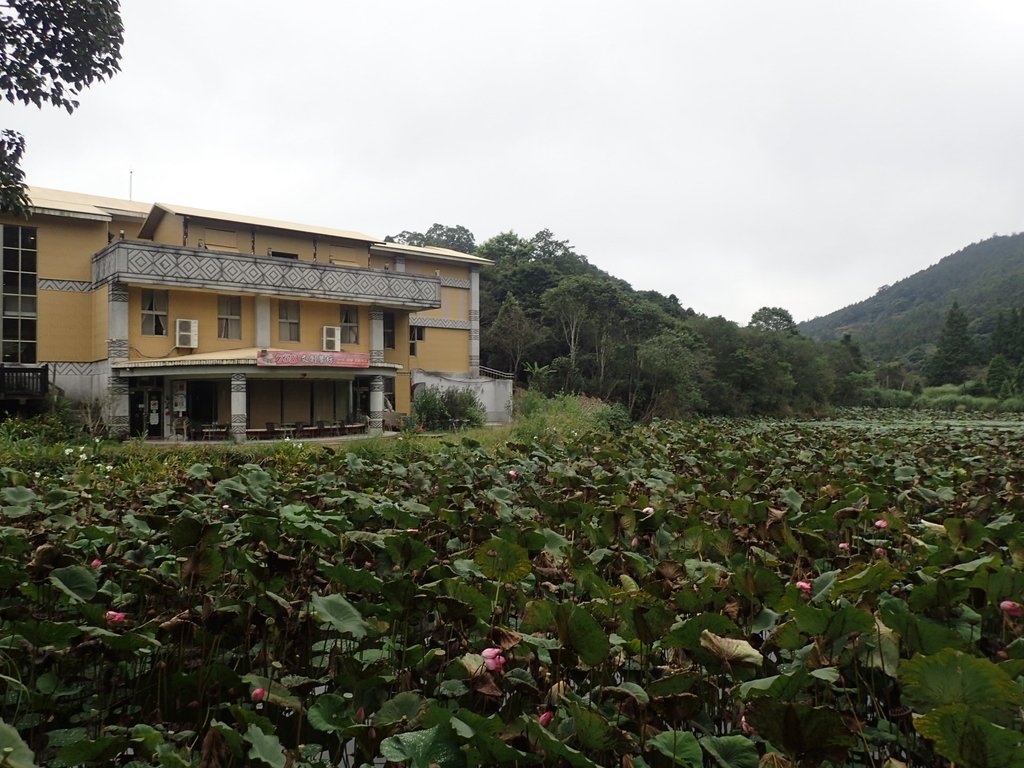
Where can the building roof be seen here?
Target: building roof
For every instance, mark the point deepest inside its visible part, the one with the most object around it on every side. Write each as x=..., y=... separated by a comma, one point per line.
x=429, y=251
x=162, y=209
x=78, y=205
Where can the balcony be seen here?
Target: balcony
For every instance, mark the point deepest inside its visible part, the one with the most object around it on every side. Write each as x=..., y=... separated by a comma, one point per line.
x=20, y=381
x=134, y=262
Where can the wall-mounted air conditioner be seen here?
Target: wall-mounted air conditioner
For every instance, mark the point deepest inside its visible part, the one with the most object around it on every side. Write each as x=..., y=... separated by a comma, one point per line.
x=186, y=333
x=332, y=338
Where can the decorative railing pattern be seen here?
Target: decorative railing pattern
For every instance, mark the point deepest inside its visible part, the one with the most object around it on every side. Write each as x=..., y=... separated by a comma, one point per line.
x=135, y=262
x=24, y=381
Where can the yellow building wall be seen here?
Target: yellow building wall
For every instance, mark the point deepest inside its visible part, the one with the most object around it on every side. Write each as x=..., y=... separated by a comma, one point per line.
x=400, y=354
x=169, y=231
x=130, y=227
x=454, y=305
x=403, y=385
x=444, y=268
x=346, y=255
x=191, y=305
x=100, y=322
x=442, y=349
x=63, y=327
x=66, y=246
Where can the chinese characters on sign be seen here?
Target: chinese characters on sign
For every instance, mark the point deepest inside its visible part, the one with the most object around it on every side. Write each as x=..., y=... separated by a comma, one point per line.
x=330, y=359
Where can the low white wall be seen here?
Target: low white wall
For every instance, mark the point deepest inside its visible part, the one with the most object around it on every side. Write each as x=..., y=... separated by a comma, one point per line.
x=495, y=394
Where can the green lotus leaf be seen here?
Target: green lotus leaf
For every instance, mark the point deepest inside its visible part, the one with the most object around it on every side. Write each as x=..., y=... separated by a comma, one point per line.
x=681, y=747
x=76, y=582
x=730, y=649
x=340, y=614
x=968, y=739
x=15, y=752
x=503, y=561
x=406, y=707
x=731, y=751
x=587, y=637
x=434, y=746
x=951, y=678
x=808, y=734
x=265, y=747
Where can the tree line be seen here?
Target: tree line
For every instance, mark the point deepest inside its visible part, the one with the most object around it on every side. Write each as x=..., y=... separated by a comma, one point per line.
x=560, y=324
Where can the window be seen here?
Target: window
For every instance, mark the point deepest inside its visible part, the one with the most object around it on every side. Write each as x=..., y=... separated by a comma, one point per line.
x=154, y=312
x=389, y=330
x=229, y=317
x=416, y=334
x=288, y=320
x=19, y=294
x=283, y=254
x=349, y=325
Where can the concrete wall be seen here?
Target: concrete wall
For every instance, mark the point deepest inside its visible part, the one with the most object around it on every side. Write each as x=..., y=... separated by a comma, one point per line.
x=495, y=394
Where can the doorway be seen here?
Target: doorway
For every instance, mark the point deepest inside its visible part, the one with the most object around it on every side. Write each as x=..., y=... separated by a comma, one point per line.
x=146, y=415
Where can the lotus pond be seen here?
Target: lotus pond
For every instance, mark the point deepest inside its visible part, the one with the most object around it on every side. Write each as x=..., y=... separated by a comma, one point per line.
x=725, y=594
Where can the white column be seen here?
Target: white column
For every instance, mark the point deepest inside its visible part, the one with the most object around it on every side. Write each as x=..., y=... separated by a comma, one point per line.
x=474, y=321
x=238, y=407
x=376, y=425
x=116, y=408
x=376, y=337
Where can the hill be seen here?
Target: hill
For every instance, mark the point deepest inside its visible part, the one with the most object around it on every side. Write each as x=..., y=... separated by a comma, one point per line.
x=904, y=320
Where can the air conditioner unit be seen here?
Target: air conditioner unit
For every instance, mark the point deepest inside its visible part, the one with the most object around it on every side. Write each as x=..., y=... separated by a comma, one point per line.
x=332, y=338
x=186, y=333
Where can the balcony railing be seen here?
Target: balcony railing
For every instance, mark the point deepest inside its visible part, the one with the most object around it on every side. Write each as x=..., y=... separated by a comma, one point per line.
x=24, y=381
x=136, y=262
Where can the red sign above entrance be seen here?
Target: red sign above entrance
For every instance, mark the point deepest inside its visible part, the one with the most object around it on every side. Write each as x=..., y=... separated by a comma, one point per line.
x=279, y=358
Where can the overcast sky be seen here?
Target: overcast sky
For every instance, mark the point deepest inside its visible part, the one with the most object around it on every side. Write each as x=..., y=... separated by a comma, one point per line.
x=794, y=153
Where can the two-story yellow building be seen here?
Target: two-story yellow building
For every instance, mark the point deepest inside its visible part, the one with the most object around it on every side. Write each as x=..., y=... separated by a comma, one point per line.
x=179, y=320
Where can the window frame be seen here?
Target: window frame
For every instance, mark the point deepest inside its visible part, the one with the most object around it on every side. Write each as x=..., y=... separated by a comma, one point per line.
x=229, y=317
x=20, y=267
x=389, y=323
x=417, y=334
x=348, y=321
x=289, y=328
x=154, y=313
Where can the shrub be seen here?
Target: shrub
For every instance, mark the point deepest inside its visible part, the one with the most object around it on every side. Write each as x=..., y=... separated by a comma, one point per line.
x=437, y=408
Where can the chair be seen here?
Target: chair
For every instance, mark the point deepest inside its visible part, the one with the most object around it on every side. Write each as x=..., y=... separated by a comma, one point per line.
x=271, y=430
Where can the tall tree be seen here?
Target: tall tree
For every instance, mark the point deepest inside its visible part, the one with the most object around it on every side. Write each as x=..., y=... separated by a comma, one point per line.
x=774, y=319
x=512, y=332
x=955, y=351
x=456, y=238
x=50, y=50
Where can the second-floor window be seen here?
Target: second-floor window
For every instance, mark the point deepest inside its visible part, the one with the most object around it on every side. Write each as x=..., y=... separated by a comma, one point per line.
x=288, y=320
x=349, y=325
x=417, y=333
x=154, y=312
x=389, y=330
x=229, y=317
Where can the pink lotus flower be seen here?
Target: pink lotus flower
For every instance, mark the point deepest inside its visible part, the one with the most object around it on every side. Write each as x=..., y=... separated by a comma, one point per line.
x=844, y=545
x=493, y=659
x=881, y=524
x=647, y=511
x=114, y=617
x=804, y=586
x=259, y=694
x=1011, y=608
x=96, y=563
x=545, y=718
x=880, y=551
x=512, y=474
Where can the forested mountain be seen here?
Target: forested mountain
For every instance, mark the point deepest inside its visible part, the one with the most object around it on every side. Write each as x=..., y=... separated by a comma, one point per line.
x=563, y=325
x=904, y=321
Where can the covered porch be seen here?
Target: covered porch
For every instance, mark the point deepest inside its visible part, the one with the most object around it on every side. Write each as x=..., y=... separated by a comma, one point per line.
x=253, y=394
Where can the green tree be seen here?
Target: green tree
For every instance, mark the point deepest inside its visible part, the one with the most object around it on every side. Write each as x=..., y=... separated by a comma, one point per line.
x=50, y=50
x=999, y=373
x=456, y=238
x=774, y=319
x=955, y=351
x=512, y=332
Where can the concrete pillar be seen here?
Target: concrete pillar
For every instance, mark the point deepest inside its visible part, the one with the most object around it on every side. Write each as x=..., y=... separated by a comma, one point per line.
x=238, y=407
x=474, y=321
x=262, y=322
x=116, y=408
x=376, y=425
x=376, y=337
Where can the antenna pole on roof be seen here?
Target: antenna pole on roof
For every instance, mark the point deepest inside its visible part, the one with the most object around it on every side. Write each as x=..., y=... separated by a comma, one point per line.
x=130, y=174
